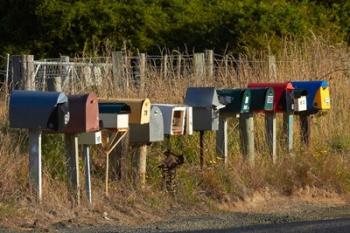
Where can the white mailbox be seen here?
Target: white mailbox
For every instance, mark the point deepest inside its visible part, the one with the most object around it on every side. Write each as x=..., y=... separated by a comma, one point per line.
x=174, y=118
x=90, y=138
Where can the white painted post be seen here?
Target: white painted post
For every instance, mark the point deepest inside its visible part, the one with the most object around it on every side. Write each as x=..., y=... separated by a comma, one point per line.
x=35, y=174
x=271, y=137
x=86, y=153
x=222, y=139
x=288, y=122
x=246, y=121
x=71, y=142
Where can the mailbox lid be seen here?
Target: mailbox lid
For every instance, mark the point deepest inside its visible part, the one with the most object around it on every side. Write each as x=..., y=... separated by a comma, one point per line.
x=261, y=99
x=235, y=100
x=318, y=97
x=140, y=109
x=117, y=108
x=202, y=97
x=31, y=109
x=84, y=115
x=281, y=91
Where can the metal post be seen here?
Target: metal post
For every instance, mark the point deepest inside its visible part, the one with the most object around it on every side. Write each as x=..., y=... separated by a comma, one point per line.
x=201, y=148
x=288, y=121
x=271, y=137
x=86, y=153
x=305, y=129
x=246, y=122
x=221, y=139
x=71, y=142
x=35, y=175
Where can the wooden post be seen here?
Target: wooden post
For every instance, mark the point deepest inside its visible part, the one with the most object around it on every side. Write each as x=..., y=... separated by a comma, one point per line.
x=119, y=158
x=201, y=148
x=54, y=84
x=271, y=137
x=165, y=66
x=142, y=69
x=178, y=65
x=305, y=129
x=246, y=122
x=23, y=72
x=35, y=174
x=71, y=142
x=7, y=76
x=118, y=68
x=221, y=139
x=198, y=65
x=67, y=83
x=288, y=121
x=272, y=67
x=86, y=153
x=209, y=62
x=141, y=165
x=226, y=66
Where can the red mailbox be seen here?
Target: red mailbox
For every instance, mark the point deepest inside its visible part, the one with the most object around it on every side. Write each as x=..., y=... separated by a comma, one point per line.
x=84, y=114
x=282, y=101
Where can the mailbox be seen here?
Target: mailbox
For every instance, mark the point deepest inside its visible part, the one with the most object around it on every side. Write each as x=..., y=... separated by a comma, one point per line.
x=140, y=109
x=84, y=116
x=38, y=110
x=283, y=97
x=261, y=99
x=235, y=100
x=318, y=97
x=150, y=132
x=206, y=106
x=299, y=99
x=173, y=118
x=114, y=115
x=91, y=138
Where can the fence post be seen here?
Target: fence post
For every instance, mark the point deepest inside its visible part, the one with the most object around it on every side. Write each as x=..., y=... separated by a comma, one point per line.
x=198, y=65
x=178, y=65
x=165, y=66
x=65, y=74
x=209, y=63
x=23, y=72
x=7, y=75
x=142, y=69
x=118, y=68
x=272, y=67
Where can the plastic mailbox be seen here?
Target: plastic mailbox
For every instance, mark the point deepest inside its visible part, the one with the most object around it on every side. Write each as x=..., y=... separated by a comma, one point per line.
x=38, y=110
x=174, y=118
x=318, y=97
x=235, y=100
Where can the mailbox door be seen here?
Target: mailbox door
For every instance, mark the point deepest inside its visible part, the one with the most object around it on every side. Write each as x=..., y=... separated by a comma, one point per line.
x=322, y=99
x=84, y=115
x=156, y=125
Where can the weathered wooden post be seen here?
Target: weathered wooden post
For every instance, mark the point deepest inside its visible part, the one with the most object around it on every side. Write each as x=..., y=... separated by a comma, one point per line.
x=142, y=69
x=271, y=135
x=142, y=164
x=209, y=63
x=23, y=72
x=246, y=122
x=222, y=139
x=165, y=66
x=67, y=83
x=178, y=65
x=198, y=65
x=272, y=67
x=288, y=125
x=118, y=69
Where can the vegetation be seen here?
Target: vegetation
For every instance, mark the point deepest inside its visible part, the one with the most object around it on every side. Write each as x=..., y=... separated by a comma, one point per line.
x=53, y=27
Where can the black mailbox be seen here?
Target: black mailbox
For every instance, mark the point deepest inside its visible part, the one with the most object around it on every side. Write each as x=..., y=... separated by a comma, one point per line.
x=38, y=110
x=235, y=100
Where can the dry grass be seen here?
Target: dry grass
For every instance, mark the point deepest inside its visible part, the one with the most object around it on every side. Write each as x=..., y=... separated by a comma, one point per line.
x=325, y=165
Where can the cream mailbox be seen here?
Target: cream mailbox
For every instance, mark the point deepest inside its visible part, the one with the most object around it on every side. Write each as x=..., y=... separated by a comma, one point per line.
x=206, y=106
x=38, y=111
x=175, y=119
x=114, y=115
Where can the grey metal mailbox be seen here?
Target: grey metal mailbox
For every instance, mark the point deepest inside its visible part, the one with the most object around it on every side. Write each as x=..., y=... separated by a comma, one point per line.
x=206, y=106
x=38, y=110
x=150, y=132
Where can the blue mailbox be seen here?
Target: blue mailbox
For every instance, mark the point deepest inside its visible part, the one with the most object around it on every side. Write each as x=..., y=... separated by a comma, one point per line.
x=318, y=97
x=38, y=110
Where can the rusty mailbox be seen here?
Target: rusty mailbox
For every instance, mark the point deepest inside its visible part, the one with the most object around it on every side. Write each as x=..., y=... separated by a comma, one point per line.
x=84, y=114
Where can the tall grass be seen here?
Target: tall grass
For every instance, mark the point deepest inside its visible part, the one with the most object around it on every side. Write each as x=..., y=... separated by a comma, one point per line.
x=325, y=165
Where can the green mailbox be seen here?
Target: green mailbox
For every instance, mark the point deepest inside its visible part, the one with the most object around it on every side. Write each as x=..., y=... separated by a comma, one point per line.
x=235, y=100
x=261, y=99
